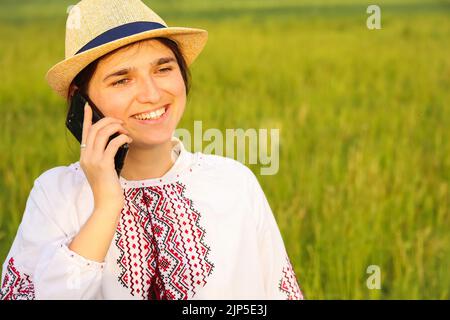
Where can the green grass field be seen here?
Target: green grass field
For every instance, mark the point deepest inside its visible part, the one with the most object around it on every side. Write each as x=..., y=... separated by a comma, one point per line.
x=364, y=120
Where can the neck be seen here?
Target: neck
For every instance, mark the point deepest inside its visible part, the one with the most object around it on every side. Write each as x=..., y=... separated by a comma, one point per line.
x=147, y=163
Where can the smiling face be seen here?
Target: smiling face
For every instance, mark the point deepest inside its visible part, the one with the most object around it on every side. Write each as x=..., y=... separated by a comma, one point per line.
x=142, y=85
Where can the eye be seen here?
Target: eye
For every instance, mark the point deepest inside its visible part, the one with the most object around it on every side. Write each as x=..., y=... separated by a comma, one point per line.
x=165, y=70
x=120, y=82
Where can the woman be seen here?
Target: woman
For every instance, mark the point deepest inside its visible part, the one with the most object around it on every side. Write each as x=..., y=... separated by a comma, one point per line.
x=173, y=225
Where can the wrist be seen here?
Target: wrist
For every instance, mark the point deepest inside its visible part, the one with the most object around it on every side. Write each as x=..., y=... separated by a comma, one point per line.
x=107, y=211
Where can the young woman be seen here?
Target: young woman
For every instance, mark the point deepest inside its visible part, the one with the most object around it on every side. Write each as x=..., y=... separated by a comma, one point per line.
x=174, y=224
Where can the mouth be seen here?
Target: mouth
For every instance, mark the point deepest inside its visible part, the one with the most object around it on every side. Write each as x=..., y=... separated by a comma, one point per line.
x=153, y=116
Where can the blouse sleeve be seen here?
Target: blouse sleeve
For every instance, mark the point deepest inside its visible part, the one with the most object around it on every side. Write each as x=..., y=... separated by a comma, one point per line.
x=279, y=276
x=39, y=264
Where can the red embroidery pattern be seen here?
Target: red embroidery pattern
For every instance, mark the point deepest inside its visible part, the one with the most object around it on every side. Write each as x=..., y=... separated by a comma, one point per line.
x=288, y=283
x=16, y=285
x=162, y=252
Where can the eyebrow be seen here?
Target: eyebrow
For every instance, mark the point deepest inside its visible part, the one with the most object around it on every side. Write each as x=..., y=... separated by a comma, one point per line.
x=125, y=71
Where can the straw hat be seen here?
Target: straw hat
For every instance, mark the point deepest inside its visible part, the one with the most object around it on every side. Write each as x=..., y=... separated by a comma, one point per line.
x=97, y=27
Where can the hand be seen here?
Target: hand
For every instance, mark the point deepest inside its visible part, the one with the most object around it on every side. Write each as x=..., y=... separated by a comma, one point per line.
x=98, y=162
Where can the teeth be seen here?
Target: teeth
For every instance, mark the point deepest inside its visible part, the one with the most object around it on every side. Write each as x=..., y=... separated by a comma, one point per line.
x=151, y=115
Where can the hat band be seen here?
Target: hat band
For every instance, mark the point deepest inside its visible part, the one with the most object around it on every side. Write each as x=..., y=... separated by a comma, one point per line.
x=120, y=32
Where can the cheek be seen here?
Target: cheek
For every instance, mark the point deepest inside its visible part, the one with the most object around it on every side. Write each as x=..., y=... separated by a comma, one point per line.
x=181, y=101
x=175, y=86
x=181, y=88
x=113, y=104
x=177, y=89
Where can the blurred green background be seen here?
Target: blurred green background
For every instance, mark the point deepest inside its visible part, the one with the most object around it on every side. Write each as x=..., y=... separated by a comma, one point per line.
x=363, y=115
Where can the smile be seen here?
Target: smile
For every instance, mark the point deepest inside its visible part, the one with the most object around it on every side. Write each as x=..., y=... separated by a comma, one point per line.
x=153, y=115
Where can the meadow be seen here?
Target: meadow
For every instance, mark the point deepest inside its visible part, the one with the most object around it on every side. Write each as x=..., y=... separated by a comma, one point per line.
x=363, y=115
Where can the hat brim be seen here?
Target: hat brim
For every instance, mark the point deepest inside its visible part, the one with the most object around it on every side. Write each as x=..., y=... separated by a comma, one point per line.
x=191, y=42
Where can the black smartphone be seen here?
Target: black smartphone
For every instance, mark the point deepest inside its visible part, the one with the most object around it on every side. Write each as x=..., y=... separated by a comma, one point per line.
x=74, y=123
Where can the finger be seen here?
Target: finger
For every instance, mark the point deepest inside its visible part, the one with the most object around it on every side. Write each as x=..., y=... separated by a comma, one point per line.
x=87, y=123
x=104, y=134
x=115, y=144
x=91, y=137
x=106, y=120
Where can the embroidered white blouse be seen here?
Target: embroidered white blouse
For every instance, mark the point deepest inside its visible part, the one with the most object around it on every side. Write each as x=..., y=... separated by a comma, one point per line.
x=204, y=230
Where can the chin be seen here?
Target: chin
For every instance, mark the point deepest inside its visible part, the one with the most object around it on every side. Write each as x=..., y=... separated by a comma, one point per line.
x=154, y=139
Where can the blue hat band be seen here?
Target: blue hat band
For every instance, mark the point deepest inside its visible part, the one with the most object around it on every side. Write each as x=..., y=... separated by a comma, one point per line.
x=120, y=32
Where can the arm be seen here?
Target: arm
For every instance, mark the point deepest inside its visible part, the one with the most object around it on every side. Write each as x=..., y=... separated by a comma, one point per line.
x=279, y=276
x=40, y=264
x=94, y=238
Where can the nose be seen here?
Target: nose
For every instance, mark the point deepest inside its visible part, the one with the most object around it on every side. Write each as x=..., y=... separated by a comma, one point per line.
x=148, y=90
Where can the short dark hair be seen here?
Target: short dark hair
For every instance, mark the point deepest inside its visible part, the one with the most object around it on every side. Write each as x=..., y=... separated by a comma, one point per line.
x=81, y=81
